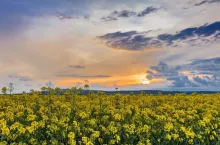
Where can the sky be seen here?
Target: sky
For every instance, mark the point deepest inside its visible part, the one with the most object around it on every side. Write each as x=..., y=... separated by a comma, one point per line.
x=128, y=44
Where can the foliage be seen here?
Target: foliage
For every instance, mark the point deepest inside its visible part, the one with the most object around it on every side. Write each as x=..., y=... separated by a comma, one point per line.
x=86, y=86
x=4, y=90
x=110, y=119
x=11, y=88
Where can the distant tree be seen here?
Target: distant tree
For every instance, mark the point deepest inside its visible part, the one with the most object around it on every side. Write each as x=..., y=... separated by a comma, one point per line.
x=10, y=88
x=24, y=93
x=101, y=93
x=48, y=90
x=73, y=90
x=67, y=91
x=37, y=92
x=142, y=93
x=43, y=89
x=4, y=90
x=86, y=86
x=32, y=91
x=160, y=94
x=116, y=89
x=91, y=93
x=58, y=90
x=79, y=90
x=51, y=91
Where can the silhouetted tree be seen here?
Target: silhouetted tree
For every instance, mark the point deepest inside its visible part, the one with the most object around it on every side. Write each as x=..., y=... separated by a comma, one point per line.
x=116, y=89
x=4, y=90
x=86, y=86
x=24, y=93
x=58, y=90
x=67, y=91
x=73, y=90
x=10, y=88
x=51, y=91
x=43, y=89
x=79, y=90
x=32, y=91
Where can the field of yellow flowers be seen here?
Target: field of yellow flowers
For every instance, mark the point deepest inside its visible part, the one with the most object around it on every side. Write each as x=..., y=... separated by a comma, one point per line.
x=110, y=119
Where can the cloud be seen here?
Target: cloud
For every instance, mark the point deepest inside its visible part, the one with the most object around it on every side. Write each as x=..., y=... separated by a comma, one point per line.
x=198, y=73
x=129, y=40
x=81, y=76
x=24, y=78
x=204, y=66
x=58, y=42
x=206, y=1
x=117, y=14
x=77, y=66
x=50, y=84
x=171, y=74
x=147, y=11
x=200, y=80
x=69, y=16
x=128, y=13
x=20, y=14
x=133, y=40
x=63, y=16
x=207, y=80
x=203, y=31
x=201, y=3
x=182, y=81
x=13, y=76
x=20, y=78
x=164, y=70
x=87, y=81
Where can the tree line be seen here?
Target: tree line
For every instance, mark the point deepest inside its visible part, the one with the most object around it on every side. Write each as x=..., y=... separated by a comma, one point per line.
x=47, y=90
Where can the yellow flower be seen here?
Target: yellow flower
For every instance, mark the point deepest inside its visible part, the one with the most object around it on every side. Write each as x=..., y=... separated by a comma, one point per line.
x=71, y=137
x=85, y=139
x=31, y=117
x=3, y=143
x=168, y=136
x=21, y=130
x=190, y=141
x=5, y=131
x=175, y=136
x=202, y=123
x=117, y=138
x=117, y=117
x=148, y=142
x=212, y=137
x=83, y=115
x=206, y=120
x=95, y=135
x=30, y=129
x=168, y=127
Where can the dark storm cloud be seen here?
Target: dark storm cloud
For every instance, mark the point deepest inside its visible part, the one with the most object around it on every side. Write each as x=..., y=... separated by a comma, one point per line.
x=147, y=11
x=200, y=80
x=128, y=13
x=208, y=68
x=182, y=81
x=200, y=3
x=206, y=1
x=137, y=41
x=116, y=14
